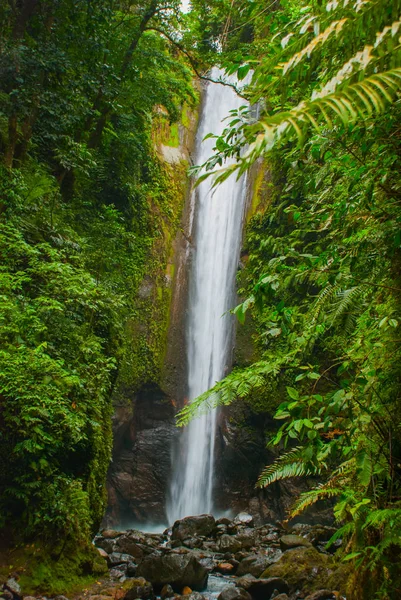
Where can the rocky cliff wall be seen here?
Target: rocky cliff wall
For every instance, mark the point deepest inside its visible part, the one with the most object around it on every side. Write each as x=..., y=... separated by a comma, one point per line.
x=151, y=381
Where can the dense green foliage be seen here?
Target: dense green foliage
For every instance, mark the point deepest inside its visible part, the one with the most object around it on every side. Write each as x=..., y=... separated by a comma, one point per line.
x=86, y=205
x=323, y=275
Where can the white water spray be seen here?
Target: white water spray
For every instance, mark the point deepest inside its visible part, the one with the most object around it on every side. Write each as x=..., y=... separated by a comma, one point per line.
x=217, y=238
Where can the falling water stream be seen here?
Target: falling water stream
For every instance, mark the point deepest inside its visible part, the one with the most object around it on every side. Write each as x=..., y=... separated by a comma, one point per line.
x=217, y=237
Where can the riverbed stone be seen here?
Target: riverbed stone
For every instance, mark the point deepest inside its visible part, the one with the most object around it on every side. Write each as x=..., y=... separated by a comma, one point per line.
x=192, y=596
x=138, y=588
x=229, y=543
x=111, y=534
x=166, y=592
x=263, y=588
x=189, y=527
x=244, y=518
x=225, y=568
x=132, y=569
x=234, y=593
x=293, y=541
x=254, y=564
x=176, y=569
x=13, y=586
x=322, y=595
x=117, y=558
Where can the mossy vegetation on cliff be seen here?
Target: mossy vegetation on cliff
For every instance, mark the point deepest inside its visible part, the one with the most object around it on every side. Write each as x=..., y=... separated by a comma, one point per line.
x=88, y=212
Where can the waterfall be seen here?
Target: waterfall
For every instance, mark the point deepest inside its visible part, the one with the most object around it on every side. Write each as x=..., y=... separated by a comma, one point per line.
x=218, y=216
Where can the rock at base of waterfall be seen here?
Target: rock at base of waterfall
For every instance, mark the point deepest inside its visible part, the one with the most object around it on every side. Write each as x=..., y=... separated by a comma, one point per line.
x=13, y=586
x=138, y=588
x=192, y=596
x=167, y=592
x=178, y=570
x=322, y=595
x=303, y=568
x=293, y=541
x=244, y=518
x=253, y=565
x=229, y=543
x=225, y=568
x=260, y=589
x=189, y=527
x=234, y=593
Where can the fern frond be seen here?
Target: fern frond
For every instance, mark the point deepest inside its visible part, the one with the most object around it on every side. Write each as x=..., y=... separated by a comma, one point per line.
x=291, y=464
x=312, y=496
x=357, y=101
x=238, y=384
x=384, y=517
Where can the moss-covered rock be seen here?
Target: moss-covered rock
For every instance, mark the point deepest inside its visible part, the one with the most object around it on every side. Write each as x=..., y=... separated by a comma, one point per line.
x=61, y=568
x=306, y=569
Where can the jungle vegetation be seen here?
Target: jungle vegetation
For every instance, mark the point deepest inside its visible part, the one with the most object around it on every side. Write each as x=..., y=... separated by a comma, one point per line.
x=323, y=282
x=84, y=197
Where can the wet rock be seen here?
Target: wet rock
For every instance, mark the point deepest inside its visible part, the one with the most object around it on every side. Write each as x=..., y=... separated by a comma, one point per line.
x=260, y=589
x=320, y=534
x=29, y=598
x=166, y=592
x=103, y=553
x=232, y=528
x=225, y=568
x=229, y=543
x=118, y=571
x=246, y=538
x=143, y=433
x=176, y=569
x=130, y=543
x=254, y=565
x=223, y=521
x=192, y=543
x=193, y=526
x=138, y=588
x=7, y=595
x=186, y=590
x=117, y=558
x=192, y=596
x=13, y=586
x=105, y=544
x=280, y=597
x=303, y=568
x=110, y=534
x=234, y=593
x=322, y=595
x=244, y=519
x=220, y=529
x=131, y=569
x=293, y=541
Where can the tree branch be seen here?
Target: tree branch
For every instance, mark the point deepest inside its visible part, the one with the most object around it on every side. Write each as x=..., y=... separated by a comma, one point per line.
x=193, y=63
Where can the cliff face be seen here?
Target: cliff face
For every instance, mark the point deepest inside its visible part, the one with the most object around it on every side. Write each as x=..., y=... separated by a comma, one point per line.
x=151, y=383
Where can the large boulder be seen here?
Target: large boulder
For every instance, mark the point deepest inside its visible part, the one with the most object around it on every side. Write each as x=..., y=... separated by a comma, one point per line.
x=303, y=568
x=200, y=525
x=254, y=564
x=179, y=570
x=134, y=543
